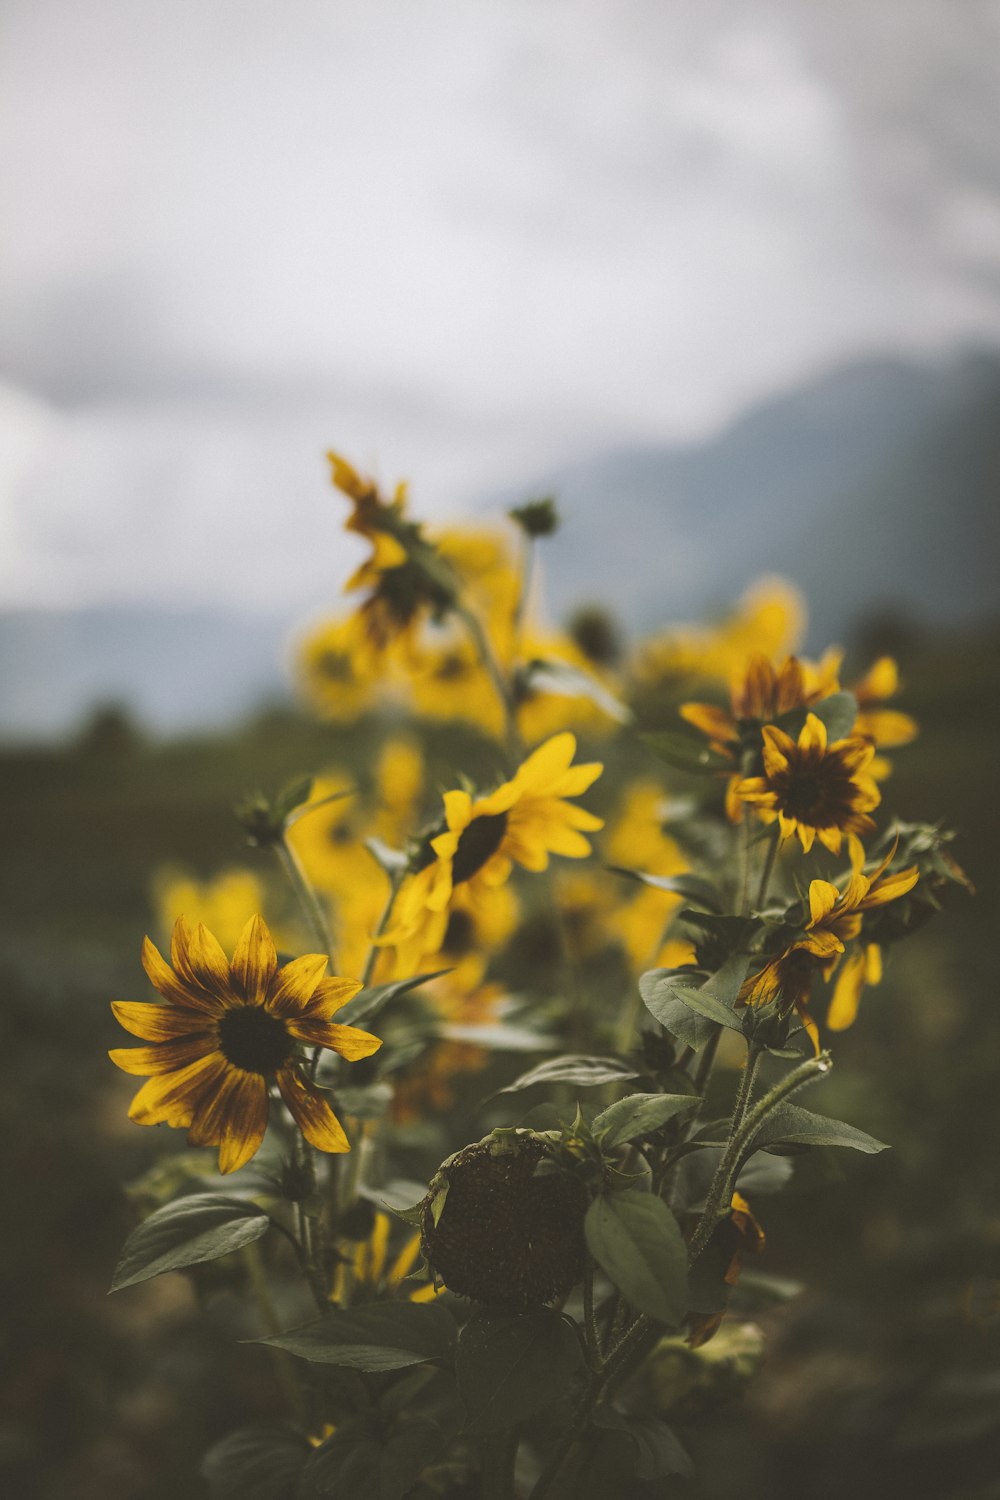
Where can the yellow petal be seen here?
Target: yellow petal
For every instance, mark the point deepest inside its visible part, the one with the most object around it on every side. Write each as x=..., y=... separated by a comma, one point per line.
x=168, y=1057
x=198, y=959
x=171, y=1098
x=347, y=1040
x=159, y=1023
x=330, y=994
x=546, y=763
x=713, y=721
x=312, y=1113
x=457, y=810
x=172, y=987
x=847, y=992
x=813, y=735
x=232, y=1117
x=293, y=986
x=254, y=960
x=823, y=898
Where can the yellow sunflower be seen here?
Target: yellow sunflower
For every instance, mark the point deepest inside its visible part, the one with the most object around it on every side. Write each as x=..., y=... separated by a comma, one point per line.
x=814, y=789
x=227, y=1033
x=336, y=670
x=523, y=822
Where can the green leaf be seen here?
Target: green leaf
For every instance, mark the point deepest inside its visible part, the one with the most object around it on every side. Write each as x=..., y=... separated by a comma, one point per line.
x=789, y=1125
x=635, y=1239
x=585, y=1072
x=375, y=1336
x=512, y=1365
x=691, y=887
x=368, y=1002
x=371, y=1460
x=838, y=713
x=685, y=753
x=714, y=1000
x=656, y=987
x=658, y=1453
x=256, y=1463
x=639, y=1114
x=187, y=1232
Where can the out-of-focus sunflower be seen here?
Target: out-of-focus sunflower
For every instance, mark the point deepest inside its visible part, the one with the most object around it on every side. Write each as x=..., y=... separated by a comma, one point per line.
x=228, y=1032
x=769, y=621
x=373, y=1275
x=224, y=903
x=814, y=789
x=336, y=670
x=450, y=682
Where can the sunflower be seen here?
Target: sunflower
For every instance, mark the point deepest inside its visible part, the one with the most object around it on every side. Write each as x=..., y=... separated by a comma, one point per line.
x=814, y=789
x=522, y=822
x=336, y=670
x=230, y=1030
x=835, y=919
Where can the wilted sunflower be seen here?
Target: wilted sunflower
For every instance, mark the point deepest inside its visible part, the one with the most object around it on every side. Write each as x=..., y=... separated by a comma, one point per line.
x=230, y=1031
x=523, y=822
x=814, y=789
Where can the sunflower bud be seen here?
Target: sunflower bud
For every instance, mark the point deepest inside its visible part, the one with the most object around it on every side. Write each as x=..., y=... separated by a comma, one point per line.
x=502, y=1222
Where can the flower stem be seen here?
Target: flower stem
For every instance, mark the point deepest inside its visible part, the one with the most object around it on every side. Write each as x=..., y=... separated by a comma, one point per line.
x=772, y=854
x=495, y=672
x=721, y=1191
x=383, y=923
x=307, y=897
x=284, y=1365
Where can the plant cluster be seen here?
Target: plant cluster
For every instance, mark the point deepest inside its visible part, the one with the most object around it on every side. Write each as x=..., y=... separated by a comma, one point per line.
x=711, y=892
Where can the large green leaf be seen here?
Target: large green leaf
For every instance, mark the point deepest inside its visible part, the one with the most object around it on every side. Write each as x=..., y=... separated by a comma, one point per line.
x=713, y=1000
x=187, y=1232
x=838, y=712
x=256, y=1463
x=512, y=1365
x=585, y=1072
x=639, y=1114
x=375, y=1336
x=370, y=1459
x=657, y=1452
x=789, y=1125
x=657, y=988
x=636, y=1241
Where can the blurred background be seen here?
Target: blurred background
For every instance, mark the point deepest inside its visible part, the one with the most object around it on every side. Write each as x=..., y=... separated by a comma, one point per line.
x=725, y=278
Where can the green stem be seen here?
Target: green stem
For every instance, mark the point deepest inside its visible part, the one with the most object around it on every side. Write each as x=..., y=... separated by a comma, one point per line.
x=593, y=1338
x=383, y=923
x=745, y=1091
x=721, y=1192
x=308, y=900
x=495, y=672
x=772, y=854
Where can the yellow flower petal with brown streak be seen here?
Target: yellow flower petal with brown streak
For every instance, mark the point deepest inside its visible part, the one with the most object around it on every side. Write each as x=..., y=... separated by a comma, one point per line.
x=198, y=960
x=294, y=985
x=312, y=1113
x=349, y=1041
x=168, y=1057
x=331, y=994
x=890, y=888
x=159, y=1023
x=232, y=1117
x=711, y=720
x=254, y=960
x=171, y=1098
x=813, y=735
x=172, y=987
x=823, y=897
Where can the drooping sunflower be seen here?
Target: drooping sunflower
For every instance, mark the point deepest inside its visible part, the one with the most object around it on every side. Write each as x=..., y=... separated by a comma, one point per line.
x=813, y=788
x=523, y=822
x=228, y=1032
x=835, y=920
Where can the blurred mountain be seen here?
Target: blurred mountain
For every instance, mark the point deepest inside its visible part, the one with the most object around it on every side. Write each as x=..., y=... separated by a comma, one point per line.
x=874, y=487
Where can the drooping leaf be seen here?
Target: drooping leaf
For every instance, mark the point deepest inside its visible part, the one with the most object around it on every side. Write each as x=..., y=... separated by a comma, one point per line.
x=685, y=752
x=512, y=1365
x=636, y=1241
x=584, y=1072
x=559, y=677
x=368, y=1002
x=256, y=1463
x=375, y=1336
x=639, y=1114
x=692, y=887
x=187, y=1232
x=658, y=1453
x=713, y=999
x=370, y=1458
x=789, y=1125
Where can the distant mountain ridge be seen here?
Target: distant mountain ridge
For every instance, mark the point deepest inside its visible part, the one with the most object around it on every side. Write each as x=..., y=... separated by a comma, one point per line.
x=873, y=486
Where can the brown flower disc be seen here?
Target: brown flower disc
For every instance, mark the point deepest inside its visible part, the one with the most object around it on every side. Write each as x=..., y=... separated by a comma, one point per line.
x=505, y=1236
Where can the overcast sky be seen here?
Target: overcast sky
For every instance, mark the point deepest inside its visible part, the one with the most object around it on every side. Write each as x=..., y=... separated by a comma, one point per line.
x=462, y=241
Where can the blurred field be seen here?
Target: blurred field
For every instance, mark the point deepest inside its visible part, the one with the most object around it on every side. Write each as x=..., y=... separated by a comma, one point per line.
x=882, y=1376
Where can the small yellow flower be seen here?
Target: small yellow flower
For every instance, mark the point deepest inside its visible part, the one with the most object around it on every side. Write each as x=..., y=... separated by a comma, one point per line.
x=374, y=1274
x=449, y=682
x=814, y=789
x=523, y=822
x=768, y=621
x=224, y=903
x=336, y=670
x=227, y=1033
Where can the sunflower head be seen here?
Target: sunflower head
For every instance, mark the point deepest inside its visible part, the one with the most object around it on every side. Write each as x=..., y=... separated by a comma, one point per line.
x=228, y=1032
x=814, y=789
x=496, y=1229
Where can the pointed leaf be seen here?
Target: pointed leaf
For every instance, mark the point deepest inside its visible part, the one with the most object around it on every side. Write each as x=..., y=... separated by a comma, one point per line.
x=692, y=887
x=584, y=1072
x=364, y=1460
x=789, y=1125
x=512, y=1365
x=685, y=752
x=368, y=1002
x=256, y=1463
x=636, y=1241
x=375, y=1336
x=187, y=1232
x=639, y=1114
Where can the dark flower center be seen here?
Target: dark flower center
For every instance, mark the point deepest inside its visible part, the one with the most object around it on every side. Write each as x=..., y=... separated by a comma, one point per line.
x=252, y=1039
x=482, y=838
x=451, y=668
x=820, y=795
x=337, y=666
